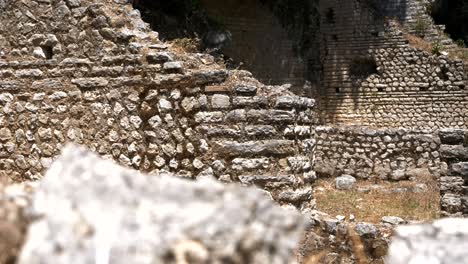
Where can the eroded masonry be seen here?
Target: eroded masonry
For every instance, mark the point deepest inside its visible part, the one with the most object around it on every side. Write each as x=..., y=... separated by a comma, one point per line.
x=366, y=103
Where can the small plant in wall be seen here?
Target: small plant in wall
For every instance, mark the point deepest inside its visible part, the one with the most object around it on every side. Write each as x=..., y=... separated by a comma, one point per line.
x=437, y=48
x=421, y=26
x=460, y=43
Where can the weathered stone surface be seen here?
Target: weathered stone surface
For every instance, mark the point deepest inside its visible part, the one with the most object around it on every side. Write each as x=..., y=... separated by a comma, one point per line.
x=220, y=101
x=452, y=136
x=159, y=57
x=366, y=230
x=296, y=196
x=89, y=83
x=245, y=89
x=460, y=168
x=96, y=212
x=269, y=180
x=173, y=66
x=451, y=203
x=454, y=152
x=264, y=147
x=345, y=182
x=294, y=102
x=444, y=241
x=393, y=220
x=267, y=116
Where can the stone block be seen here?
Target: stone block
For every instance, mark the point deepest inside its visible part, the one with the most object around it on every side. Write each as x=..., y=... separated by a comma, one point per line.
x=453, y=152
x=345, y=182
x=173, y=66
x=220, y=101
x=452, y=136
x=221, y=131
x=245, y=89
x=460, y=169
x=89, y=83
x=159, y=57
x=262, y=180
x=451, y=203
x=247, y=101
x=296, y=196
x=255, y=148
x=242, y=164
x=209, y=117
x=267, y=116
x=260, y=131
x=294, y=102
x=444, y=241
x=93, y=211
x=451, y=184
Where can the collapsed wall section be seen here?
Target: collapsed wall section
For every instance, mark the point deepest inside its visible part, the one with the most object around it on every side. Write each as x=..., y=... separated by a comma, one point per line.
x=143, y=103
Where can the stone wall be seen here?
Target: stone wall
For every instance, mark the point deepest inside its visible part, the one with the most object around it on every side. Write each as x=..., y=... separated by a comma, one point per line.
x=112, y=216
x=388, y=154
x=398, y=154
x=150, y=106
x=373, y=77
x=259, y=41
x=257, y=137
x=454, y=180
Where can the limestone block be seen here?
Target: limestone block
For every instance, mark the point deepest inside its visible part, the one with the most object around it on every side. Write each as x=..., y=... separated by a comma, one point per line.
x=454, y=152
x=345, y=182
x=93, y=211
x=444, y=241
x=452, y=136
x=249, y=148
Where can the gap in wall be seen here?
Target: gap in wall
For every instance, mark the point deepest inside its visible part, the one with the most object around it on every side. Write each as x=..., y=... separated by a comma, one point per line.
x=454, y=15
x=271, y=38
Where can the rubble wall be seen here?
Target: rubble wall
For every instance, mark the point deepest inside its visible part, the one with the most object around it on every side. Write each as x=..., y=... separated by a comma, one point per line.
x=93, y=73
x=454, y=180
x=398, y=154
x=387, y=154
x=373, y=77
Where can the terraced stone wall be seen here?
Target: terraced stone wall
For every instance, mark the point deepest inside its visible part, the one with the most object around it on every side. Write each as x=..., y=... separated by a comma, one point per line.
x=93, y=73
x=373, y=77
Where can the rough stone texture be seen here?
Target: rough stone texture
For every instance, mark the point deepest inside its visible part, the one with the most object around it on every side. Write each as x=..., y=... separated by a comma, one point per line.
x=454, y=180
x=334, y=237
x=394, y=154
x=345, y=182
x=109, y=83
x=14, y=200
x=93, y=211
x=372, y=76
x=444, y=241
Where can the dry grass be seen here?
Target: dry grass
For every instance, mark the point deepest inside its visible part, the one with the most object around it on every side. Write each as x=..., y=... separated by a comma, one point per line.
x=373, y=205
x=459, y=53
x=419, y=43
x=186, y=45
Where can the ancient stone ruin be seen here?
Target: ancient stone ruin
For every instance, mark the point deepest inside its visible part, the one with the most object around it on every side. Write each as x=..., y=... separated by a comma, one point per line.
x=273, y=94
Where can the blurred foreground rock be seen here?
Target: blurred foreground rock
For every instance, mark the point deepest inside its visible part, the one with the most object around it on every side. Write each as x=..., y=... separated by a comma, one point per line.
x=14, y=199
x=93, y=211
x=444, y=241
